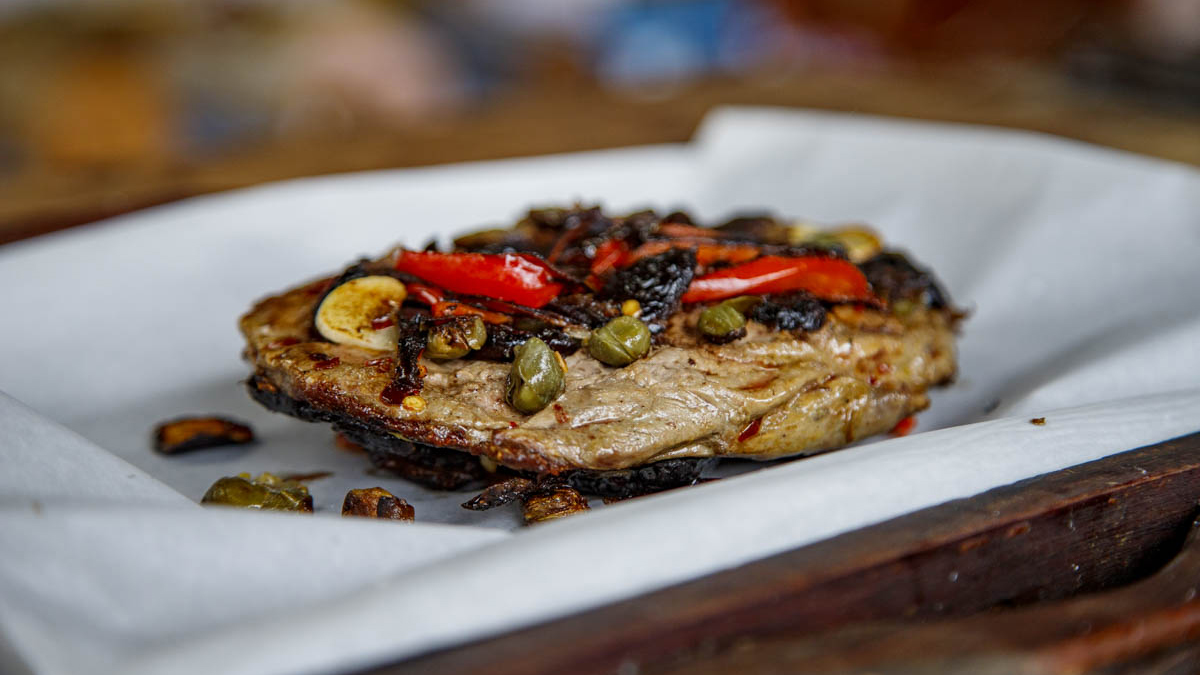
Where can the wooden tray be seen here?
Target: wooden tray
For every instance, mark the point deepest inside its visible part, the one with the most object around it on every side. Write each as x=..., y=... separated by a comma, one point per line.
x=1093, y=569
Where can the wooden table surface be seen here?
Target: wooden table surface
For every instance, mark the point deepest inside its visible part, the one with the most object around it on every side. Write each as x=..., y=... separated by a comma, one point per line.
x=575, y=115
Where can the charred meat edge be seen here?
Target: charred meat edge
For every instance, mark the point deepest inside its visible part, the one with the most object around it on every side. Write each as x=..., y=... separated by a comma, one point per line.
x=450, y=469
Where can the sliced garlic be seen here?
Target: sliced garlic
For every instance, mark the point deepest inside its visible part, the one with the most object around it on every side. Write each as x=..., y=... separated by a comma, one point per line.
x=346, y=313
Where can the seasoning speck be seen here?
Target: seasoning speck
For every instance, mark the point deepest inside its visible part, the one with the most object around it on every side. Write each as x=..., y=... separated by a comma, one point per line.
x=1038, y=421
x=413, y=403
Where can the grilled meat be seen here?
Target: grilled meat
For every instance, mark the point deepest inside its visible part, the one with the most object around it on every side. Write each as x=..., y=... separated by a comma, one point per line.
x=821, y=364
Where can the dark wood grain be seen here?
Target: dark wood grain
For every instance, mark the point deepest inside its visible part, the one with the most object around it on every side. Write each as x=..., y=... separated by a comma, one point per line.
x=1148, y=626
x=1096, y=526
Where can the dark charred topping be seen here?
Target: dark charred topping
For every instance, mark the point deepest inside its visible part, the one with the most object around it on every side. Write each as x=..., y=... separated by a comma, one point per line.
x=680, y=217
x=793, y=311
x=377, y=503
x=520, y=239
x=584, y=309
x=195, y=433
x=894, y=278
x=544, y=315
x=577, y=226
x=642, y=480
x=537, y=233
x=761, y=229
x=501, y=493
x=409, y=373
x=504, y=338
x=580, y=247
x=656, y=282
x=553, y=218
x=426, y=465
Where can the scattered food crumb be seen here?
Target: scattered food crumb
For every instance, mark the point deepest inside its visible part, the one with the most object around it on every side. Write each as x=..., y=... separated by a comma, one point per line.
x=195, y=433
x=268, y=491
x=551, y=504
x=306, y=477
x=377, y=503
x=1038, y=421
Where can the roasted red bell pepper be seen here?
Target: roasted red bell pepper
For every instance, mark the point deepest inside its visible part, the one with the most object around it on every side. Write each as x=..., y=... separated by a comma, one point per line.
x=610, y=254
x=827, y=278
x=429, y=295
x=516, y=277
x=456, y=308
x=707, y=251
x=904, y=427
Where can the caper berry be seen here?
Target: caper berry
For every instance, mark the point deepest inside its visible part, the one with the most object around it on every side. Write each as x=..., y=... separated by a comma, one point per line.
x=744, y=303
x=619, y=342
x=536, y=378
x=722, y=323
x=827, y=241
x=455, y=339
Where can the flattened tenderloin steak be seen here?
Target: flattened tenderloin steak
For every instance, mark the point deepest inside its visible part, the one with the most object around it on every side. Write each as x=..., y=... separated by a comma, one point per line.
x=841, y=341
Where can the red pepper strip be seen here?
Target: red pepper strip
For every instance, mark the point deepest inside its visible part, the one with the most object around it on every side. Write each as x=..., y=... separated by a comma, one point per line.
x=904, y=426
x=707, y=251
x=454, y=308
x=708, y=254
x=516, y=277
x=610, y=254
x=429, y=295
x=827, y=278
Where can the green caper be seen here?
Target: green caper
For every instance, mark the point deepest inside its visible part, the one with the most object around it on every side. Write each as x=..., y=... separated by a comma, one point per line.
x=619, y=342
x=455, y=339
x=743, y=303
x=827, y=241
x=722, y=323
x=536, y=378
x=265, y=492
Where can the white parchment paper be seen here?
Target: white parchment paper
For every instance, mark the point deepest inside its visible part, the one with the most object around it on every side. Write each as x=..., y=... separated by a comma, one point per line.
x=1079, y=265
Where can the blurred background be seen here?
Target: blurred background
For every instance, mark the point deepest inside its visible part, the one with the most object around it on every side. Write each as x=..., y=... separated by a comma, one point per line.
x=107, y=106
